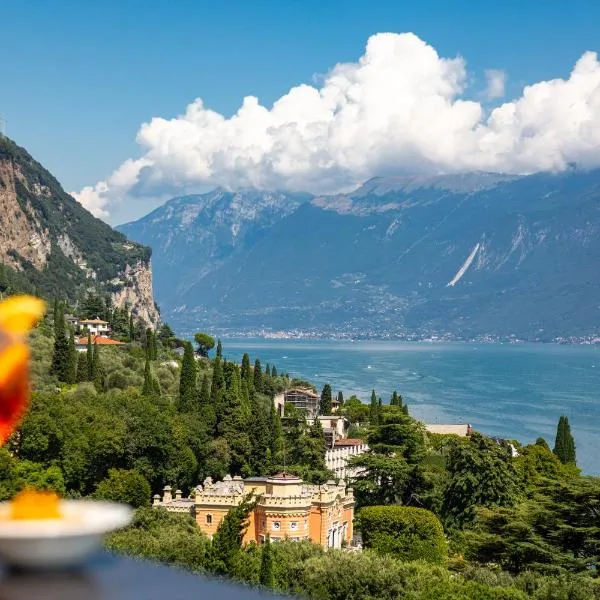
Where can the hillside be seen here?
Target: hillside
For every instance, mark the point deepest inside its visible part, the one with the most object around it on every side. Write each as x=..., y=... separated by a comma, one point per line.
x=57, y=246
x=459, y=256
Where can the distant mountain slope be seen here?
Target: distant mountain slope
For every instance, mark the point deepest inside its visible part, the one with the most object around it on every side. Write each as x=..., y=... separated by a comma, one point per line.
x=59, y=246
x=195, y=235
x=462, y=256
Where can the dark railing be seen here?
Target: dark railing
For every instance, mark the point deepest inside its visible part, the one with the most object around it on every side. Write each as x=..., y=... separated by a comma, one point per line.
x=109, y=577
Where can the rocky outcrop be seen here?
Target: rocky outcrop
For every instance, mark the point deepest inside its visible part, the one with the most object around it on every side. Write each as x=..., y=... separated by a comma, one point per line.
x=20, y=232
x=134, y=289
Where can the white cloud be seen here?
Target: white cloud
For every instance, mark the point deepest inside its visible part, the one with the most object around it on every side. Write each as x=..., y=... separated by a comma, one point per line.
x=496, y=81
x=401, y=107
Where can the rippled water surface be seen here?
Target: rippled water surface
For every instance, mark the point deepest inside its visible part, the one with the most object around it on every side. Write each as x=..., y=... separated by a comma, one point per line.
x=513, y=391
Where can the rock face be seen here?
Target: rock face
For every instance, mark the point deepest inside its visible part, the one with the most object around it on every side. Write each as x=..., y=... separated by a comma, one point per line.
x=58, y=246
x=459, y=256
x=135, y=289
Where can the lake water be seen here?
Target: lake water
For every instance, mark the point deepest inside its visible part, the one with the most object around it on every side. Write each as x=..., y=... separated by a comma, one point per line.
x=511, y=391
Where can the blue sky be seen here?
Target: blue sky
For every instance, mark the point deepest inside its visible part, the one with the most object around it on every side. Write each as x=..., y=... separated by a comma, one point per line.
x=78, y=78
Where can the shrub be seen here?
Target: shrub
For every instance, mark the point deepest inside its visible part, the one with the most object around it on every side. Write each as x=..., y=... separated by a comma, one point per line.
x=406, y=532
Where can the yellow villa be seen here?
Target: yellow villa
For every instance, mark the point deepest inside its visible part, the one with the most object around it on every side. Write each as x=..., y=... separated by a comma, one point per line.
x=287, y=508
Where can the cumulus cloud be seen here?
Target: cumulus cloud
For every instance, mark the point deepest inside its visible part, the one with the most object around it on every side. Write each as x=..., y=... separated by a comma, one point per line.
x=400, y=109
x=496, y=81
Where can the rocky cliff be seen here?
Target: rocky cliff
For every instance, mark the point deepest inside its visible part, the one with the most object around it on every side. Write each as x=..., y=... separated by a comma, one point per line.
x=60, y=248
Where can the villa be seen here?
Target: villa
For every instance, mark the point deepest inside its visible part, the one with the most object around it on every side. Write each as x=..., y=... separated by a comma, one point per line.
x=101, y=340
x=287, y=508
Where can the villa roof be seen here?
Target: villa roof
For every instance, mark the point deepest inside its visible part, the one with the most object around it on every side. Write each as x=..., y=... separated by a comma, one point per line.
x=93, y=322
x=101, y=340
x=349, y=442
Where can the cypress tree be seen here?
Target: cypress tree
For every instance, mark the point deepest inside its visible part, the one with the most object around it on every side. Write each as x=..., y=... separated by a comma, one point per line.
x=90, y=358
x=564, y=447
x=257, y=376
x=219, y=349
x=276, y=435
x=246, y=370
x=266, y=576
x=148, y=388
x=394, y=400
x=340, y=398
x=273, y=372
x=326, y=400
x=259, y=436
x=97, y=375
x=374, y=409
x=82, y=367
x=207, y=408
x=131, y=328
x=187, y=379
x=218, y=381
x=379, y=411
x=73, y=358
x=61, y=358
x=154, y=347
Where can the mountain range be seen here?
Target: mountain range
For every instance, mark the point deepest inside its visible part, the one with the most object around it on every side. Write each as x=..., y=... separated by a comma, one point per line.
x=456, y=256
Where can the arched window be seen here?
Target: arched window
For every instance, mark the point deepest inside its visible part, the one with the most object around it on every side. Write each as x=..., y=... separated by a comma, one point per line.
x=208, y=519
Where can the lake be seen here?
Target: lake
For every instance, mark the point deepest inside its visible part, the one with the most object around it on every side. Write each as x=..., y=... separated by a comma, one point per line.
x=515, y=391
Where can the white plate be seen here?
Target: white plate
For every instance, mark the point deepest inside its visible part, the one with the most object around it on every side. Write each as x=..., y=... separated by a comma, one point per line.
x=59, y=543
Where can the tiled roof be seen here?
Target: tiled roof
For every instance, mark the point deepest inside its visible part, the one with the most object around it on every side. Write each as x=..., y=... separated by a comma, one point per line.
x=93, y=322
x=350, y=442
x=101, y=340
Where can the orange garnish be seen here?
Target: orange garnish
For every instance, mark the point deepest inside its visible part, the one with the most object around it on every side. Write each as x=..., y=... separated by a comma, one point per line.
x=18, y=314
x=30, y=504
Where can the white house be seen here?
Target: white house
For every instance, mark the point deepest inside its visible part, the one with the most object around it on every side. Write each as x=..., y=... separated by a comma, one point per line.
x=94, y=326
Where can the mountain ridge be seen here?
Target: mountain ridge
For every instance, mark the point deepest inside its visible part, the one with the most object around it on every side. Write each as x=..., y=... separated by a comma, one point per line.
x=388, y=262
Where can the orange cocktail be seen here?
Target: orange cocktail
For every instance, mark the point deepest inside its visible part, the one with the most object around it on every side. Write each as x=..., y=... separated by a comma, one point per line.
x=18, y=314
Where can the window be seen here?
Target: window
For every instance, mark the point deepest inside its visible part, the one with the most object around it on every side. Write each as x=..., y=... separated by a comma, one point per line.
x=295, y=539
x=294, y=525
x=208, y=519
x=276, y=525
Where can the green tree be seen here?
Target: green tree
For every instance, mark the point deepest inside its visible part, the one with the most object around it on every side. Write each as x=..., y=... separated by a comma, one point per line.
x=391, y=472
x=259, y=429
x=374, y=409
x=148, y=388
x=273, y=372
x=73, y=359
x=90, y=357
x=82, y=367
x=266, y=576
x=205, y=343
x=406, y=532
x=326, y=400
x=396, y=399
x=219, y=352
x=227, y=542
x=126, y=486
x=258, y=379
x=131, y=328
x=187, y=380
x=165, y=334
x=564, y=446
x=61, y=356
x=481, y=473
x=246, y=369
x=355, y=410
x=340, y=398
x=97, y=372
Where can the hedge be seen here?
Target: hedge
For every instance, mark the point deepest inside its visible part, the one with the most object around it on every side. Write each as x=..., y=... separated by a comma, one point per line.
x=405, y=532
